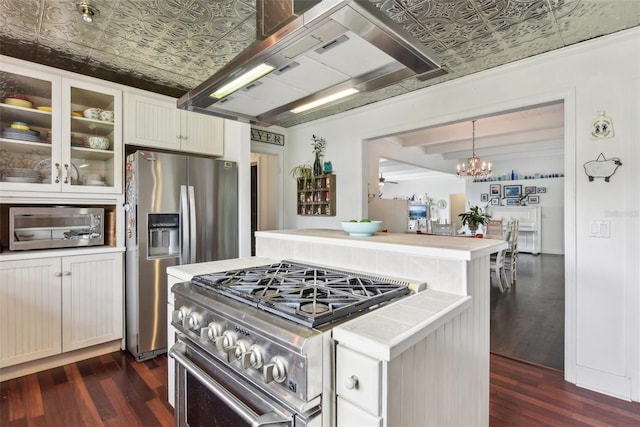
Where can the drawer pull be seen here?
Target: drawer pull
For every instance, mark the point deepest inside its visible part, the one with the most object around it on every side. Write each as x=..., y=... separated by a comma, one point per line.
x=351, y=382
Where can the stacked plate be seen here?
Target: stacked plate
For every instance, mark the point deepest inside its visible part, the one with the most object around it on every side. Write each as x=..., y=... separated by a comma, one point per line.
x=20, y=134
x=20, y=175
x=18, y=100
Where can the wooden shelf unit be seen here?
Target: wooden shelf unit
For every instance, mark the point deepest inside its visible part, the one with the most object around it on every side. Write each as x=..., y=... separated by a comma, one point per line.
x=317, y=196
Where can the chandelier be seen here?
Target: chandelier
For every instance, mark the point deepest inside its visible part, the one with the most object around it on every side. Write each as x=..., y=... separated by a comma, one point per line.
x=473, y=168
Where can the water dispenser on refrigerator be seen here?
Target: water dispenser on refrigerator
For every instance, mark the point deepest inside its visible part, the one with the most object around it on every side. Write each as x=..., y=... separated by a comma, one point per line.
x=163, y=235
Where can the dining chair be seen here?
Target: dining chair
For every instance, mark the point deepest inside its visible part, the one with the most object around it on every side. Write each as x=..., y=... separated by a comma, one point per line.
x=511, y=254
x=443, y=229
x=495, y=229
x=497, y=269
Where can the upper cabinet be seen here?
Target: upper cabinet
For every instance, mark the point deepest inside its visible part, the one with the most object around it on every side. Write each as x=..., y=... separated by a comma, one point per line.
x=48, y=144
x=156, y=123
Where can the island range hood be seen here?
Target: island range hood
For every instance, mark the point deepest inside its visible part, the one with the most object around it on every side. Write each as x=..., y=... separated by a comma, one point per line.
x=331, y=50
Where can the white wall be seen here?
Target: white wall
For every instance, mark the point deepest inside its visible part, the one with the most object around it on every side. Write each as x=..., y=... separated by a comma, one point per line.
x=602, y=348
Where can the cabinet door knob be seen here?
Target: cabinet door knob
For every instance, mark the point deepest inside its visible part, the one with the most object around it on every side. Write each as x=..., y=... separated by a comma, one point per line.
x=57, y=173
x=57, y=274
x=66, y=169
x=351, y=382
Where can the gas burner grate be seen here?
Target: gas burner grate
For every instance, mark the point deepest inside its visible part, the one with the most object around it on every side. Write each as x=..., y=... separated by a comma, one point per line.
x=306, y=294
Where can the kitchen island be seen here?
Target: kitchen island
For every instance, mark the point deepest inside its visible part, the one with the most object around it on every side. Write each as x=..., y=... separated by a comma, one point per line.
x=422, y=360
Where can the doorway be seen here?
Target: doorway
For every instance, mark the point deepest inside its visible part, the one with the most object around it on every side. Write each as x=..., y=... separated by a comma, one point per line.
x=266, y=196
x=527, y=321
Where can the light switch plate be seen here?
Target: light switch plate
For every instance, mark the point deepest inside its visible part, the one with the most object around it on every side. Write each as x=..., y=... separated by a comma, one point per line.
x=600, y=229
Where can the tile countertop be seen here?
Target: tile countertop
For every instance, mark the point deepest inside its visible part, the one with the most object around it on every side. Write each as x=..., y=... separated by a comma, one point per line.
x=450, y=247
x=389, y=331
x=187, y=271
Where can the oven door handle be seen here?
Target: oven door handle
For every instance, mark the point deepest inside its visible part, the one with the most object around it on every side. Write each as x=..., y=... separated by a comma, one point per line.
x=271, y=418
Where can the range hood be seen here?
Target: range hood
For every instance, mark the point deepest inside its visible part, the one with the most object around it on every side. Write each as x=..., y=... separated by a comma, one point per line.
x=334, y=47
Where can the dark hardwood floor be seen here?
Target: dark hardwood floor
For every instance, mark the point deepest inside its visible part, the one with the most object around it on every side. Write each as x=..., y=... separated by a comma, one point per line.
x=115, y=390
x=527, y=320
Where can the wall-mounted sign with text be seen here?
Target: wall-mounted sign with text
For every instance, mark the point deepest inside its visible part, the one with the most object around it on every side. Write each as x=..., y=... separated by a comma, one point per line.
x=259, y=135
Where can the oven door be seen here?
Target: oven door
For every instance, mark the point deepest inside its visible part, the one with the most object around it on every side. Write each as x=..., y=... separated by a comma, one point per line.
x=207, y=394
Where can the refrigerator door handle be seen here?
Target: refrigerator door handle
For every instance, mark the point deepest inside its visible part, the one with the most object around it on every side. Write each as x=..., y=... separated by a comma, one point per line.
x=184, y=225
x=192, y=225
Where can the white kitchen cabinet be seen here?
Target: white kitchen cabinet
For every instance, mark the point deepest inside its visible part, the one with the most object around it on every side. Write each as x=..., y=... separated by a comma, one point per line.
x=43, y=134
x=91, y=299
x=358, y=379
x=54, y=305
x=30, y=310
x=158, y=123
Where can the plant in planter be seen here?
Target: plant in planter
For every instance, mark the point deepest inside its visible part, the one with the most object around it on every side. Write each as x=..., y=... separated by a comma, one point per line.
x=302, y=173
x=474, y=217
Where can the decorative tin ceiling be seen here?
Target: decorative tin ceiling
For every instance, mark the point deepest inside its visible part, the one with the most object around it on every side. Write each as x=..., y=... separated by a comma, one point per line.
x=170, y=46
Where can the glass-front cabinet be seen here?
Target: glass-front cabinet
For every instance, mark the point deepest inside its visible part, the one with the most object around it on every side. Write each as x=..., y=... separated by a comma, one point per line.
x=92, y=137
x=58, y=135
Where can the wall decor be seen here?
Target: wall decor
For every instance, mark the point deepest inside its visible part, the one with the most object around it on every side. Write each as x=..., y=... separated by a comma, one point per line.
x=602, y=126
x=529, y=190
x=513, y=202
x=512, y=191
x=494, y=189
x=484, y=197
x=495, y=201
x=541, y=190
x=260, y=135
x=602, y=167
x=534, y=200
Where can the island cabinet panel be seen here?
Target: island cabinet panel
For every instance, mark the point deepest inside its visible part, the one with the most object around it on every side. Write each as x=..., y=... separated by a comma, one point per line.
x=158, y=123
x=92, y=298
x=350, y=415
x=30, y=310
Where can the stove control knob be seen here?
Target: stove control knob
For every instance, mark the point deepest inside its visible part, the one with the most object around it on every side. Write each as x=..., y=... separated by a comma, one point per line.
x=178, y=315
x=211, y=331
x=236, y=351
x=192, y=320
x=254, y=358
x=226, y=340
x=275, y=371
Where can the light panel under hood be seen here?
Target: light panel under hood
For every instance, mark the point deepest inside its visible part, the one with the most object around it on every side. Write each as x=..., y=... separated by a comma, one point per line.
x=332, y=47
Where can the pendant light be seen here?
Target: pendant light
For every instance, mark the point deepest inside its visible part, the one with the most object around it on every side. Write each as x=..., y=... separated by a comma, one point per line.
x=473, y=168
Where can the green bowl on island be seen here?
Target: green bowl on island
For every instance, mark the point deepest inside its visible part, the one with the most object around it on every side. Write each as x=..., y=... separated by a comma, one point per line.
x=362, y=228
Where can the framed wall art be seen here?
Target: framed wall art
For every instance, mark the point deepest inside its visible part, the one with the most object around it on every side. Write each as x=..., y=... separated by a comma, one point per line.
x=513, y=202
x=512, y=191
x=484, y=197
x=534, y=200
x=495, y=201
x=529, y=190
x=541, y=190
x=494, y=189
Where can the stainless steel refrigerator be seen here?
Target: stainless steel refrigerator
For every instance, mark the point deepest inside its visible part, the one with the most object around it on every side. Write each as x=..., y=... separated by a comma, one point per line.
x=179, y=210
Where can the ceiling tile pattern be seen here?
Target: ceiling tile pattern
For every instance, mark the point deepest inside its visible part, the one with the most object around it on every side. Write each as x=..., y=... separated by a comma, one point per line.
x=170, y=46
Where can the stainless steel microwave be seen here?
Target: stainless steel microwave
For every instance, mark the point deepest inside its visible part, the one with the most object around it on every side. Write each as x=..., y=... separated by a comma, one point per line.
x=55, y=227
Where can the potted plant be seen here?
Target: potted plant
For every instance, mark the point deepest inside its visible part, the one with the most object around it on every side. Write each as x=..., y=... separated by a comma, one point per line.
x=302, y=173
x=474, y=217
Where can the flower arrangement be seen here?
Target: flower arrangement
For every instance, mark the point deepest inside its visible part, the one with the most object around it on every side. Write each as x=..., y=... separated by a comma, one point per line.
x=318, y=145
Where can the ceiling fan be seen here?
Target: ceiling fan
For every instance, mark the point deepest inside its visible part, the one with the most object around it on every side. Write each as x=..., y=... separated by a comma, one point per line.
x=382, y=181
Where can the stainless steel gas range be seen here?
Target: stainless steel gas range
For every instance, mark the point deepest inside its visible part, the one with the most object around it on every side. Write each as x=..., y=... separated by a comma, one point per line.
x=254, y=346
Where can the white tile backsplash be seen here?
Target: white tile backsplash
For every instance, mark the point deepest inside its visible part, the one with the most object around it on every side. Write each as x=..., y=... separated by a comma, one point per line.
x=440, y=274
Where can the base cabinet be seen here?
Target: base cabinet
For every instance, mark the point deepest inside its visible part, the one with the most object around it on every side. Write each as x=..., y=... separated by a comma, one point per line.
x=156, y=123
x=54, y=305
